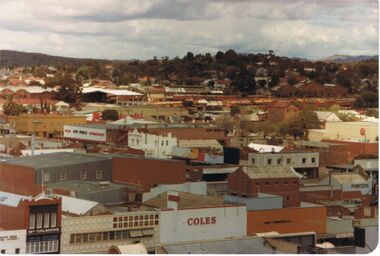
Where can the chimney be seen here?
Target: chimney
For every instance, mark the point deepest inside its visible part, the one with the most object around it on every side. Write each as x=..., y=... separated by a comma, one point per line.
x=172, y=199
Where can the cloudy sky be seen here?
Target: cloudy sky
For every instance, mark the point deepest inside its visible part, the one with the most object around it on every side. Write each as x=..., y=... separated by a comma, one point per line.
x=126, y=29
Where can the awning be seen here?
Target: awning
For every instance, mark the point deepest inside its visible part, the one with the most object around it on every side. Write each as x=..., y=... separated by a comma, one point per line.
x=135, y=233
x=148, y=232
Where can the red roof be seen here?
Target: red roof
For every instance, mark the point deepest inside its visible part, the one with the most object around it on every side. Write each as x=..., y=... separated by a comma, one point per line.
x=282, y=103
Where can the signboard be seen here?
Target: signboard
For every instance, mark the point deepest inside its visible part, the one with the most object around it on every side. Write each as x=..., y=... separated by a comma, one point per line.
x=201, y=221
x=43, y=230
x=362, y=131
x=84, y=133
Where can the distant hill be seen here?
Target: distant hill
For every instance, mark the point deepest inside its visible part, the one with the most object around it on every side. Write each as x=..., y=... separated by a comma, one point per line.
x=10, y=58
x=348, y=58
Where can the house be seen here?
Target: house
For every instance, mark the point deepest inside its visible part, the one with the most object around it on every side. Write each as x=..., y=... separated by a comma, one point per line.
x=326, y=116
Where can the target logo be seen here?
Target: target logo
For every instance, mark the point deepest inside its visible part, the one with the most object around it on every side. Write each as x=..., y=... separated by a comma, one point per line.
x=362, y=131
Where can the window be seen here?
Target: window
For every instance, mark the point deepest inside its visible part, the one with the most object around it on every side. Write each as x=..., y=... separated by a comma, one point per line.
x=269, y=161
x=288, y=161
x=46, y=177
x=83, y=175
x=162, y=143
x=63, y=176
x=39, y=220
x=253, y=161
x=167, y=143
x=2, y=251
x=17, y=251
x=285, y=183
x=53, y=219
x=99, y=174
x=46, y=220
x=32, y=221
x=303, y=160
x=313, y=159
x=279, y=161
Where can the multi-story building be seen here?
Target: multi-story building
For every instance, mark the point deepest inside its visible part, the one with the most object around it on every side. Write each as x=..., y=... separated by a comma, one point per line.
x=96, y=234
x=283, y=110
x=154, y=144
x=43, y=125
x=305, y=163
x=12, y=241
x=250, y=181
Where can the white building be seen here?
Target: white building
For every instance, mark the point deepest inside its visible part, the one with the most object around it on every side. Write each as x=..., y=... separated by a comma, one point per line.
x=349, y=182
x=189, y=217
x=154, y=145
x=12, y=241
x=96, y=234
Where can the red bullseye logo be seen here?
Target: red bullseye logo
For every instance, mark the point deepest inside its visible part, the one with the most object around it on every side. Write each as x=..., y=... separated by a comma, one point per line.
x=362, y=131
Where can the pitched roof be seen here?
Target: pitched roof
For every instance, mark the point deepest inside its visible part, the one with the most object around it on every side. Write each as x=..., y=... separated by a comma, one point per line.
x=348, y=178
x=270, y=172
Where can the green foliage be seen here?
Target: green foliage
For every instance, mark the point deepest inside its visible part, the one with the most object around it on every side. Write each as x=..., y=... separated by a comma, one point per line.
x=292, y=78
x=367, y=99
x=234, y=110
x=110, y=114
x=373, y=112
x=10, y=108
x=69, y=90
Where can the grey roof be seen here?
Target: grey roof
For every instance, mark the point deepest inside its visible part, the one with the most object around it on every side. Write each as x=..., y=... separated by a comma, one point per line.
x=86, y=186
x=270, y=172
x=56, y=160
x=253, y=245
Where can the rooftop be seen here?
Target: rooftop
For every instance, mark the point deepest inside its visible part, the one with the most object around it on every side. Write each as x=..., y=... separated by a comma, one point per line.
x=55, y=160
x=87, y=186
x=270, y=172
x=10, y=199
x=187, y=200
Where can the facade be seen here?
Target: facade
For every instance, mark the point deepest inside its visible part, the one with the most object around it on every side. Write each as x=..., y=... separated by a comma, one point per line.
x=305, y=163
x=96, y=234
x=349, y=182
x=13, y=241
x=43, y=125
x=190, y=217
x=307, y=217
x=249, y=181
x=154, y=145
x=283, y=111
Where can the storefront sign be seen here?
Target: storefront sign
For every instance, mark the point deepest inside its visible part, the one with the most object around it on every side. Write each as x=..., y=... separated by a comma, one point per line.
x=43, y=230
x=201, y=221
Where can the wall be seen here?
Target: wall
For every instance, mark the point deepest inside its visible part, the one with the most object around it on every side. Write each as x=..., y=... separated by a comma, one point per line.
x=262, y=202
x=10, y=240
x=355, y=149
x=287, y=220
x=147, y=172
x=17, y=179
x=229, y=221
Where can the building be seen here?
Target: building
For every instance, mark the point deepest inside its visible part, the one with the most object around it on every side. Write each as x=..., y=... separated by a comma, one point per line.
x=326, y=116
x=283, y=110
x=347, y=131
x=349, y=182
x=43, y=125
x=121, y=226
x=13, y=241
x=283, y=181
x=154, y=144
x=39, y=216
x=85, y=133
x=189, y=217
x=113, y=96
x=147, y=172
x=303, y=162
x=25, y=175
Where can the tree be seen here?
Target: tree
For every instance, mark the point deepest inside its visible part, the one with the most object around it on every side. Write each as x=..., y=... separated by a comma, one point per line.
x=292, y=78
x=110, y=114
x=69, y=90
x=367, y=99
x=234, y=110
x=10, y=108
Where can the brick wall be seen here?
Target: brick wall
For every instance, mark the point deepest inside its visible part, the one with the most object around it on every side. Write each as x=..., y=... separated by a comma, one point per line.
x=148, y=172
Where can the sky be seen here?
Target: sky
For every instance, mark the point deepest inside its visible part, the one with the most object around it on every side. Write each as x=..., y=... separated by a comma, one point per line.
x=142, y=29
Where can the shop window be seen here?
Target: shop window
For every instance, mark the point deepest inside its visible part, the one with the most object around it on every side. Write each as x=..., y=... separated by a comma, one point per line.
x=32, y=221
x=46, y=177
x=39, y=220
x=46, y=220
x=53, y=219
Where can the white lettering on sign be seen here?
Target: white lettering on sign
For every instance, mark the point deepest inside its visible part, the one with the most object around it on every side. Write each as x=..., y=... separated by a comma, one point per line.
x=201, y=221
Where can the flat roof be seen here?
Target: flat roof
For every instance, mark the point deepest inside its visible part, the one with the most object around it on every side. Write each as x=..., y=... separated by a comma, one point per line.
x=188, y=200
x=244, y=245
x=270, y=172
x=56, y=160
x=87, y=186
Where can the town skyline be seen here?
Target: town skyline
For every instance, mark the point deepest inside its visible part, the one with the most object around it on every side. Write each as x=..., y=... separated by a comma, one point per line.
x=130, y=30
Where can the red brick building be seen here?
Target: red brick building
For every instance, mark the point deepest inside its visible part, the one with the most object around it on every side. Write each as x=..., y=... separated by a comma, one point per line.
x=283, y=110
x=147, y=172
x=355, y=149
x=250, y=181
x=40, y=216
